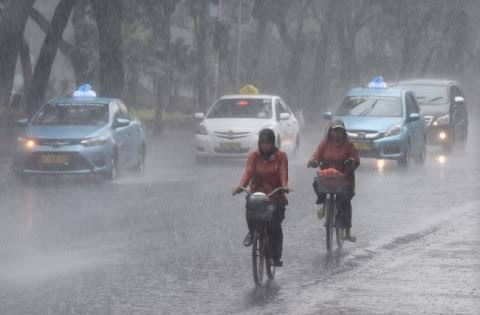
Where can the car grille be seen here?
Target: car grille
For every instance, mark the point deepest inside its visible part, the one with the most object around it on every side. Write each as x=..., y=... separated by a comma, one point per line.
x=73, y=162
x=230, y=151
x=364, y=134
x=57, y=142
x=231, y=135
x=428, y=120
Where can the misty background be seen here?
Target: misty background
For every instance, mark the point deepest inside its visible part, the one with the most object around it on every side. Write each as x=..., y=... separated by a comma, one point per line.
x=170, y=58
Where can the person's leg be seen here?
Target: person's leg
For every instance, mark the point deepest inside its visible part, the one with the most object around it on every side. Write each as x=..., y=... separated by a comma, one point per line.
x=248, y=238
x=320, y=199
x=320, y=195
x=344, y=214
x=276, y=234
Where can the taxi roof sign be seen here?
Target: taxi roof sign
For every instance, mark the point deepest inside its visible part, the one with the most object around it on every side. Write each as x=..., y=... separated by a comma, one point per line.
x=249, y=89
x=85, y=90
x=377, y=83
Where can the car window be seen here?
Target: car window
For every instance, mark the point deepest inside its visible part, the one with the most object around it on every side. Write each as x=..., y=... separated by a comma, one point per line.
x=429, y=94
x=371, y=106
x=116, y=113
x=280, y=108
x=124, y=111
x=412, y=106
x=242, y=108
x=72, y=114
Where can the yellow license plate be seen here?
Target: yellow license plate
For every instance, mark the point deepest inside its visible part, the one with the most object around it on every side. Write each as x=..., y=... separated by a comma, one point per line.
x=53, y=159
x=230, y=145
x=363, y=146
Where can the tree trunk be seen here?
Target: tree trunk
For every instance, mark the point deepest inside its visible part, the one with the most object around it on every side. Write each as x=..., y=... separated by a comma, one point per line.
x=199, y=14
x=43, y=67
x=27, y=70
x=254, y=73
x=12, y=26
x=161, y=30
x=109, y=18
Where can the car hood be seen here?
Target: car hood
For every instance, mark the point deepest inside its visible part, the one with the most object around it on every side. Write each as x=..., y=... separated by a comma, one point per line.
x=369, y=123
x=434, y=110
x=237, y=124
x=63, y=132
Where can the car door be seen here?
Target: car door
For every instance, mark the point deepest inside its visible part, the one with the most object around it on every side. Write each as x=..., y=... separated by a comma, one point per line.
x=132, y=135
x=120, y=136
x=282, y=124
x=292, y=125
x=458, y=115
x=417, y=127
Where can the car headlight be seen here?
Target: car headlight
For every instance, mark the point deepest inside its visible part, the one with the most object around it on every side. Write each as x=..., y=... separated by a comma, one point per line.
x=393, y=130
x=442, y=120
x=101, y=140
x=26, y=143
x=201, y=130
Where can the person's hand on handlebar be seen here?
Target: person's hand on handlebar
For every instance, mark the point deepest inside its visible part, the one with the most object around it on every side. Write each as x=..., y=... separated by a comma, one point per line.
x=350, y=164
x=287, y=190
x=237, y=190
x=312, y=163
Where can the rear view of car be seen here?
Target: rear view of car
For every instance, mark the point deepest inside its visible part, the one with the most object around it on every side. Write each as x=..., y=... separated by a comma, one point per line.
x=80, y=135
x=445, y=111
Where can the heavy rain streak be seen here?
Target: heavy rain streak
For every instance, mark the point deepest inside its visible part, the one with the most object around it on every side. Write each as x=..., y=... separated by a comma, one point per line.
x=239, y=157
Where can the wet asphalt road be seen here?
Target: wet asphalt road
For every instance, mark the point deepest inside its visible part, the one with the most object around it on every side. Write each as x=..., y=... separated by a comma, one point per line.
x=171, y=241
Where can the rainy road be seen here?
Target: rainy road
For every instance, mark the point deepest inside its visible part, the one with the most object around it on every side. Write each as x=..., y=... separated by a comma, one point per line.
x=171, y=241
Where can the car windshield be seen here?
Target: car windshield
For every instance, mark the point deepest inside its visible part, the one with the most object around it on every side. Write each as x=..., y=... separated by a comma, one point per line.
x=72, y=115
x=242, y=108
x=430, y=94
x=371, y=106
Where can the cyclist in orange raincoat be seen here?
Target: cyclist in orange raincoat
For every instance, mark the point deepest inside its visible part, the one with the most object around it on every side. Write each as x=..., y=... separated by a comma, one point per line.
x=337, y=151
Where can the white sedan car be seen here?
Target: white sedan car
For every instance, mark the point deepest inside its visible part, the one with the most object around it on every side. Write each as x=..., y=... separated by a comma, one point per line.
x=231, y=126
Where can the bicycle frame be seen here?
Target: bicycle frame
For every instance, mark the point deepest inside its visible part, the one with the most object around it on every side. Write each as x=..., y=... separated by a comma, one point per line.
x=261, y=249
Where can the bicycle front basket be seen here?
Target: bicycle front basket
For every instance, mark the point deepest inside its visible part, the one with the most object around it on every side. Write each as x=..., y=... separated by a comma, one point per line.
x=332, y=182
x=260, y=209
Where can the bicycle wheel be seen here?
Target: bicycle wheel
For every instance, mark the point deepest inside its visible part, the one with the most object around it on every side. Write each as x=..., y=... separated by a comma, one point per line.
x=339, y=231
x=329, y=221
x=339, y=235
x=258, y=259
x=267, y=251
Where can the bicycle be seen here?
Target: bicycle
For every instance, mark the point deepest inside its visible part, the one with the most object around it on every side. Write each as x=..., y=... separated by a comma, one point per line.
x=332, y=183
x=260, y=209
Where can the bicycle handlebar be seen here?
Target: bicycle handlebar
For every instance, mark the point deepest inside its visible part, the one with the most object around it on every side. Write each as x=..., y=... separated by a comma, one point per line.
x=285, y=189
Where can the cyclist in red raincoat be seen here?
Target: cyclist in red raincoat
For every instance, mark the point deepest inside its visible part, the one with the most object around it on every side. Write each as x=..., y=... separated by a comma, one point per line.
x=338, y=152
x=267, y=169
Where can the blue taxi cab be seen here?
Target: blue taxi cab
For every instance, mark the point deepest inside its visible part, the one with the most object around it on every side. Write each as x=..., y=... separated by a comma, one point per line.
x=81, y=134
x=383, y=122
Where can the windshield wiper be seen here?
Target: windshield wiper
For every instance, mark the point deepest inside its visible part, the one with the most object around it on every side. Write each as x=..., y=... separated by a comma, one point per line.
x=435, y=99
x=369, y=109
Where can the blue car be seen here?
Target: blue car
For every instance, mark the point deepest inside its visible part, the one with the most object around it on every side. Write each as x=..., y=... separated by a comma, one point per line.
x=384, y=122
x=82, y=134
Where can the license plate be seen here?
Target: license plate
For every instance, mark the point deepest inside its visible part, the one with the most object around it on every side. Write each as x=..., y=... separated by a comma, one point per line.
x=230, y=145
x=53, y=159
x=362, y=146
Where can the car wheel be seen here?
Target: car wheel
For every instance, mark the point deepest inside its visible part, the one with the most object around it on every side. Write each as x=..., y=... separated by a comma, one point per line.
x=113, y=174
x=421, y=156
x=405, y=160
x=140, y=166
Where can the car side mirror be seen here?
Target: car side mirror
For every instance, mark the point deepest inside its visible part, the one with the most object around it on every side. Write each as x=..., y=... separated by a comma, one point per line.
x=459, y=100
x=121, y=122
x=413, y=117
x=328, y=115
x=284, y=116
x=22, y=122
x=199, y=116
